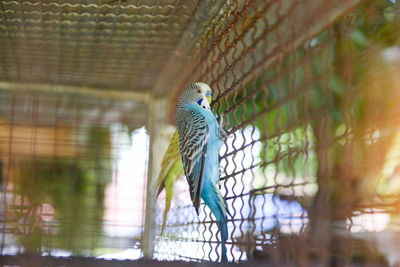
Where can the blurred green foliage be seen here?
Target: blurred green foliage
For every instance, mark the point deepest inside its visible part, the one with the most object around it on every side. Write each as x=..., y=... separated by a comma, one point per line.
x=75, y=188
x=326, y=113
x=317, y=107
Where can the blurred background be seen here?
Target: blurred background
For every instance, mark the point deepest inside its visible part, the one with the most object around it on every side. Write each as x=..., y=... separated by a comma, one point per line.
x=309, y=91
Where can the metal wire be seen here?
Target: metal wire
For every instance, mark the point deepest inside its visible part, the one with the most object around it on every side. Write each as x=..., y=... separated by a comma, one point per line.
x=98, y=44
x=65, y=66
x=62, y=175
x=291, y=168
x=308, y=92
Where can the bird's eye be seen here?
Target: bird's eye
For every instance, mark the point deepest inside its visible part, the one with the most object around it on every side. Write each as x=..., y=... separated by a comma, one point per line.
x=198, y=91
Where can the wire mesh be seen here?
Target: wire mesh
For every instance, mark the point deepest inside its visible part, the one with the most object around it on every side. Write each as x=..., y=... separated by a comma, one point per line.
x=308, y=92
x=63, y=177
x=102, y=44
x=311, y=134
x=68, y=160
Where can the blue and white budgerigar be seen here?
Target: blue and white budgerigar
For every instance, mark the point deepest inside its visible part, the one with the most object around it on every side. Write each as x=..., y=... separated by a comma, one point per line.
x=200, y=139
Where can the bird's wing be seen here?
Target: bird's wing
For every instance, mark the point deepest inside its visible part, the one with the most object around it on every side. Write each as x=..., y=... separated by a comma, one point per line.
x=193, y=146
x=170, y=157
x=196, y=180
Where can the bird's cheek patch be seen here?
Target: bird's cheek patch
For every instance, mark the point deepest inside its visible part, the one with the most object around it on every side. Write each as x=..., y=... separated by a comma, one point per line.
x=199, y=101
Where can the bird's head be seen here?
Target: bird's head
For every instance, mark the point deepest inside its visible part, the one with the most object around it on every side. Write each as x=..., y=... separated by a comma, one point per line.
x=198, y=92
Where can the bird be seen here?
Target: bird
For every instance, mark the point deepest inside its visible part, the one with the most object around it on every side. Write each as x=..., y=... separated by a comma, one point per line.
x=171, y=170
x=200, y=139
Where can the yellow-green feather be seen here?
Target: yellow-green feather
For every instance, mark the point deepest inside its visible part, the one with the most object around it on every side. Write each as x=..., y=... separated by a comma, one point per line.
x=171, y=170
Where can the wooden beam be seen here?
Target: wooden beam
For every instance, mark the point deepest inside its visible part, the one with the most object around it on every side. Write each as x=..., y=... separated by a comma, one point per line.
x=79, y=90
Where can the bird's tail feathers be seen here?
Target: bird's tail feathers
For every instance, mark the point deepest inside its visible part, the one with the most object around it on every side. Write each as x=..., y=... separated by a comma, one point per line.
x=160, y=188
x=168, y=199
x=219, y=208
x=223, y=228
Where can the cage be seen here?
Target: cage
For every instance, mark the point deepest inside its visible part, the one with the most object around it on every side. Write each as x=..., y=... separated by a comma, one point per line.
x=308, y=93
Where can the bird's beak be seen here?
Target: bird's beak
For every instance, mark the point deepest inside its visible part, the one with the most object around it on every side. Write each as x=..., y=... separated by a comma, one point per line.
x=208, y=96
